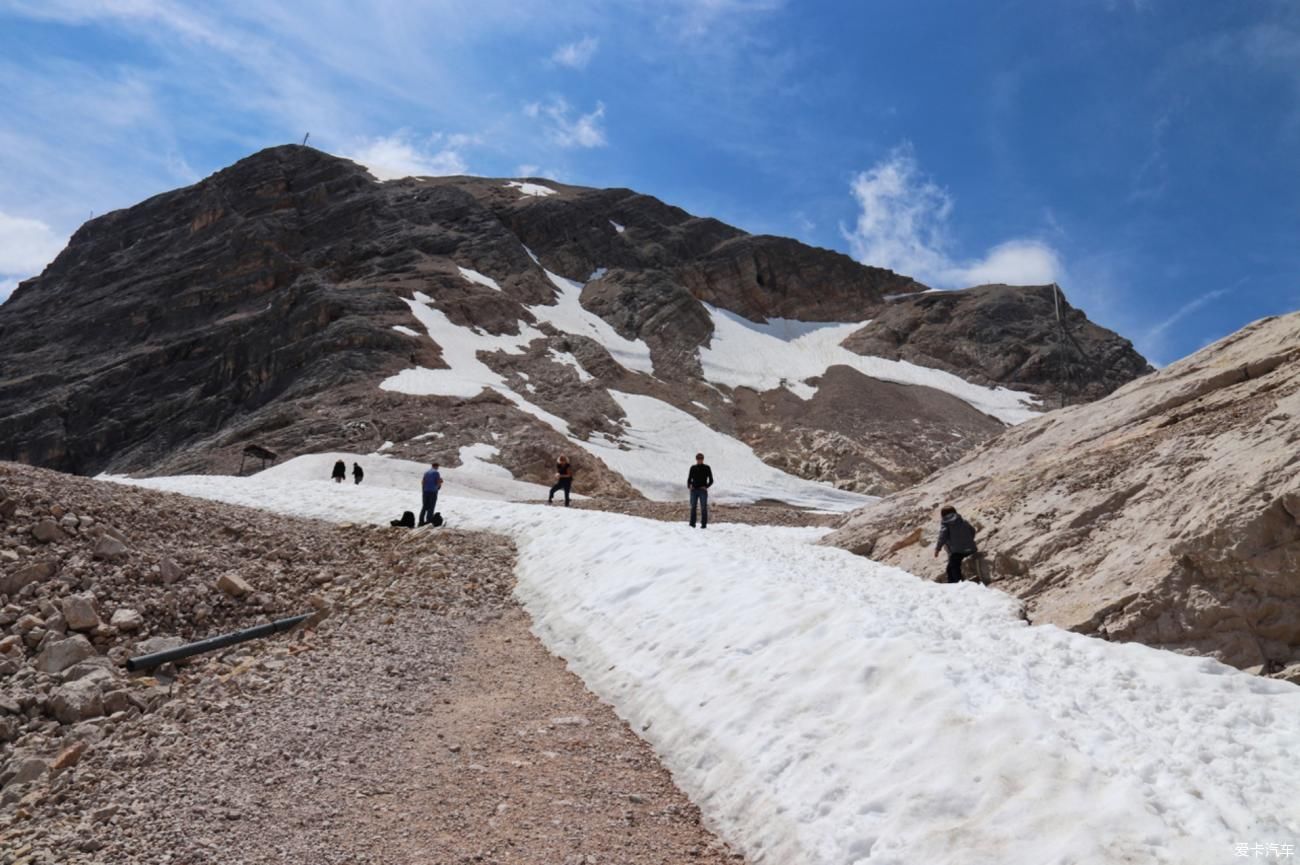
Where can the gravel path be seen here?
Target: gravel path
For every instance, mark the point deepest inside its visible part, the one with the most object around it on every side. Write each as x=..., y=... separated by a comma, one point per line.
x=421, y=722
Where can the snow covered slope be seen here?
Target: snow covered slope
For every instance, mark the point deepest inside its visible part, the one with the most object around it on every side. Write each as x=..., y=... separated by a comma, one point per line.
x=787, y=353
x=822, y=708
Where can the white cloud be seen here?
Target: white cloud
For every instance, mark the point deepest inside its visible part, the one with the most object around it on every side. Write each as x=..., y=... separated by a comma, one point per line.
x=26, y=246
x=397, y=155
x=576, y=55
x=903, y=225
x=585, y=130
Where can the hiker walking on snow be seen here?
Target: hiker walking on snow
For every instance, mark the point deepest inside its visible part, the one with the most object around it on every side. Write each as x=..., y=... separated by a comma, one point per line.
x=958, y=536
x=357, y=473
x=429, y=487
x=698, y=481
x=563, y=480
x=340, y=471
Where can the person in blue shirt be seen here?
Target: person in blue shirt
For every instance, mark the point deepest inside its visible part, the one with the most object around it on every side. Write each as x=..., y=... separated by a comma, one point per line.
x=432, y=483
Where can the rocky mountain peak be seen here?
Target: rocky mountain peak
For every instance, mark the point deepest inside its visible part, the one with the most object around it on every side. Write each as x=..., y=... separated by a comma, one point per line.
x=295, y=302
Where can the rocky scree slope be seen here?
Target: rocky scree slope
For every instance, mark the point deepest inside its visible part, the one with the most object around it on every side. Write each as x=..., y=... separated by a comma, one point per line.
x=267, y=303
x=92, y=573
x=1166, y=513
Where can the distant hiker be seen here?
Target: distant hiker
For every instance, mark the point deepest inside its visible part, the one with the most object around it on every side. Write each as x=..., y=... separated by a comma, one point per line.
x=357, y=473
x=340, y=471
x=698, y=481
x=430, y=486
x=563, y=480
x=958, y=536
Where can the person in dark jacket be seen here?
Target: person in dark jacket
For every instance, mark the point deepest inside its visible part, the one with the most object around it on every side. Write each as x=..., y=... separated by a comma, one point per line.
x=959, y=537
x=357, y=473
x=563, y=480
x=340, y=471
x=698, y=481
x=429, y=488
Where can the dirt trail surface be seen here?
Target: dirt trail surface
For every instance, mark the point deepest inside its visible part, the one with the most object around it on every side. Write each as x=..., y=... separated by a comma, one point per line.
x=420, y=722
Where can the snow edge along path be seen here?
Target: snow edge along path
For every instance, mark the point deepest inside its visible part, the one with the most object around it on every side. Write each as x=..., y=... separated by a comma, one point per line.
x=823, y=708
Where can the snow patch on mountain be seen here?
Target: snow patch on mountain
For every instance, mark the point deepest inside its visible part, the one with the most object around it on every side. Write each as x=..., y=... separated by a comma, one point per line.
x=568, y=359
x=533, y=189
x=569, y=315
x=466, y=375
x=786, y=353
x=475, y=277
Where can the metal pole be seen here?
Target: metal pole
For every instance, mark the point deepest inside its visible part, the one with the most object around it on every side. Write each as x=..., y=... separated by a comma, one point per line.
x=145, y=662
x=1060, y=337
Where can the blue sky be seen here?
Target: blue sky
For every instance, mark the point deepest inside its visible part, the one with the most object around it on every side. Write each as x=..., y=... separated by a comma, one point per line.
x=1142, y=153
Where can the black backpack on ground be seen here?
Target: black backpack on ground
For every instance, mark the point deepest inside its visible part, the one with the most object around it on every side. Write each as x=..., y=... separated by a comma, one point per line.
x=407, y=521
x=437, y=519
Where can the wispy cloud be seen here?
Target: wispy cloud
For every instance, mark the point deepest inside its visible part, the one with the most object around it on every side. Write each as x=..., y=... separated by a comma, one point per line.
x=566, y=130
x=1153, y=340
x=576, y=55
x=401, y=155
x=903, y=225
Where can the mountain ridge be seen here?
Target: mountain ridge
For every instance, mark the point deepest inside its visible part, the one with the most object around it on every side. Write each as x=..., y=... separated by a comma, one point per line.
x=267, y=302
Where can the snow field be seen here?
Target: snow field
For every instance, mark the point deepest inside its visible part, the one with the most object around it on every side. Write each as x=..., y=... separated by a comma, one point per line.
x=786, y=352
x=822, y=708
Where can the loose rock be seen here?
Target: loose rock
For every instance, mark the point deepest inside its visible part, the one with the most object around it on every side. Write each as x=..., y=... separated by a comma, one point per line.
x=58, y=656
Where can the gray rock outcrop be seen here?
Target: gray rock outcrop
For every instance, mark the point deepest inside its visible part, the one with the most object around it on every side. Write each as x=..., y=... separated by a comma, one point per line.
x=1166, y=513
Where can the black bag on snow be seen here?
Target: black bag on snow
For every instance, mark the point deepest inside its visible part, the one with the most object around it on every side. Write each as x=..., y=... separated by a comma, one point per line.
x=407, y=521
x=437, y=519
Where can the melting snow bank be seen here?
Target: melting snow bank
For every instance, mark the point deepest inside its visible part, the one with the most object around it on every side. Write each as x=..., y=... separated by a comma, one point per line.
x=821, y=708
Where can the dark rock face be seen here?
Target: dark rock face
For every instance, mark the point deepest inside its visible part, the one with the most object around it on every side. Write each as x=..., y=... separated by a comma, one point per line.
x=776, y=277
x=267, y=303
x=1004, y=335
x=160, y=323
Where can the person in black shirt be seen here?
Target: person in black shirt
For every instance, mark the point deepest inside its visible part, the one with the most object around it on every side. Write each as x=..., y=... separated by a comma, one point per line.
x=563, y=480
x=959, y=537
x=357, y=473
x=340, y=471
x=698, y=481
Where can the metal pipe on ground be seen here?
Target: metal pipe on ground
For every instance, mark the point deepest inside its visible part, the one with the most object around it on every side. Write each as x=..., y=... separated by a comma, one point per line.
x=146, y=662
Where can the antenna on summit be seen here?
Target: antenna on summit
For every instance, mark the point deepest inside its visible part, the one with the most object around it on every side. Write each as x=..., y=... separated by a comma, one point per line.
x=304, y=139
